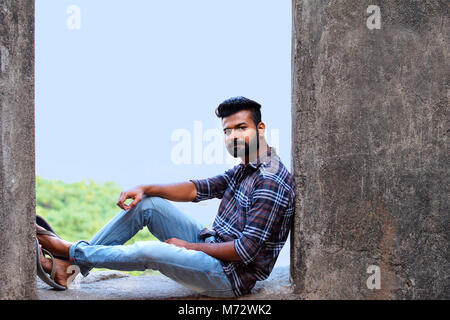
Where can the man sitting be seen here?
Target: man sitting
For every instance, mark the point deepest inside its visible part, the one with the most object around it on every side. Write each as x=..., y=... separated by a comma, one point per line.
x=248, y=233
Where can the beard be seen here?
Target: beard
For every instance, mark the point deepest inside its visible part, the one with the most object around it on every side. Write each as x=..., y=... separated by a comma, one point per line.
x=242, y=149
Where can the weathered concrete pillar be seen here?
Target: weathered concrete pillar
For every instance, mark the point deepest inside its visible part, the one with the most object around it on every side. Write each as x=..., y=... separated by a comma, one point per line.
x=370, y=127
x=17, y=156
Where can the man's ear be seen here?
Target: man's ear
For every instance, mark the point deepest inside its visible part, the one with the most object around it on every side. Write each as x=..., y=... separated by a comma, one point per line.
x=261, y=128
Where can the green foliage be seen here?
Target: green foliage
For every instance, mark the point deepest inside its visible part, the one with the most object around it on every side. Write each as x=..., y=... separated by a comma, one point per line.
x=77, y=211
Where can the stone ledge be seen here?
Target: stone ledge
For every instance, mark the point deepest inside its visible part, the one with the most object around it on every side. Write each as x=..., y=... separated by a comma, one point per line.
x=113, y=285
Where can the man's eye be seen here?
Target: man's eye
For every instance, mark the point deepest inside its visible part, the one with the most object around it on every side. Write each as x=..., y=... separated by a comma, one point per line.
x=228, y=131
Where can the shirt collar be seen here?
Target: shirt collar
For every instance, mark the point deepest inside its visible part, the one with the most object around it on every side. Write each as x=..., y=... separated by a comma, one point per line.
x=263, y=158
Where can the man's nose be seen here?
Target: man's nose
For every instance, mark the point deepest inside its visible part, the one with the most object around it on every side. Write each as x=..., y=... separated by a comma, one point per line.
x=234, y=135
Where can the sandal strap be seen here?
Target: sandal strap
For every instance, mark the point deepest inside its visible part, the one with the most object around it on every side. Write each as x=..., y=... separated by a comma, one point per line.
x=53, y=272
x=46, y=233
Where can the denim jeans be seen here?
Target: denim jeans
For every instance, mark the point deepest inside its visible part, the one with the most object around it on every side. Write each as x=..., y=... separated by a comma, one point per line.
x=193, y=269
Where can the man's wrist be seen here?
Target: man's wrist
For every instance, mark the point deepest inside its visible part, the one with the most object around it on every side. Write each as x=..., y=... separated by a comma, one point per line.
x=144, y=188
x=192, y=246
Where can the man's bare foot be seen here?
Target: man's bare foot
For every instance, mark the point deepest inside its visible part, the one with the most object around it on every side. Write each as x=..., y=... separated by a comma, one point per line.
x=55, y=245
x=62, y=266
x=45, y=262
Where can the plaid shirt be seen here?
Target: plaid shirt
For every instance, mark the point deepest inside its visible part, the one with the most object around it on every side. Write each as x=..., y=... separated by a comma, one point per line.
x=255, y=212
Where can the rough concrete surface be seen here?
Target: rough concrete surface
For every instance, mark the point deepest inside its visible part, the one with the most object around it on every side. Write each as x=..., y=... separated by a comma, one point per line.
x=370, y=127
x=113, y=285
x=17, y=162
x=369, y=155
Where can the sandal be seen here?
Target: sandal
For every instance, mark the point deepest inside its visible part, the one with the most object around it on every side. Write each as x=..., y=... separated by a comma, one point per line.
x=44, y=276
x=40, y=221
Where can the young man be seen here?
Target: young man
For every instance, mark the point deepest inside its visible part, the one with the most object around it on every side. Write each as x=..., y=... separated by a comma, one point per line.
x=248, y=233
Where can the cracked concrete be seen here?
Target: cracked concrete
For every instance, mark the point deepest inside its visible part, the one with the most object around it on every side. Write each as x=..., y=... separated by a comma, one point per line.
x=113, y=285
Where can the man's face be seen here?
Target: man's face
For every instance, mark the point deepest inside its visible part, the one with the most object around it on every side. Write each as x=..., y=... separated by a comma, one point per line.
x=241, y=135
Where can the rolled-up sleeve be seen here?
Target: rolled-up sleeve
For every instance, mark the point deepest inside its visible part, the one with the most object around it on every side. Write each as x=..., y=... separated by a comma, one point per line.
x=269, y=201
x=213, y=187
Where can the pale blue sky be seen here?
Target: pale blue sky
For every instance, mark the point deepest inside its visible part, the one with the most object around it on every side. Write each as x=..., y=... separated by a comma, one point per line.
x=110, y=95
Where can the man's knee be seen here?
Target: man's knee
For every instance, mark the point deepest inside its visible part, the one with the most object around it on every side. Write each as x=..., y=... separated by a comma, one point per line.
x=152, y=202
x=149, y=204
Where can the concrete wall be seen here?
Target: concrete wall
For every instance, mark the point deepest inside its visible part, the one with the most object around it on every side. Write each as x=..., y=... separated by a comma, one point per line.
x=370, y=127
x=370, y=110
x=17, y=160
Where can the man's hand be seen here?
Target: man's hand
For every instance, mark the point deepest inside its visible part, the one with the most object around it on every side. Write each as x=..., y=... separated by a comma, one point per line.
x=223, y=251
x=135, y=194
x=179, y=243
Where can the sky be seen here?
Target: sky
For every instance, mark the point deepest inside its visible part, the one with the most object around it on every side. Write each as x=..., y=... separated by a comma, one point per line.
x=126, y=90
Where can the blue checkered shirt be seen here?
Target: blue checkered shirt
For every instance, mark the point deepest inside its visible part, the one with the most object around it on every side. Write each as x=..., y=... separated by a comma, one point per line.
x=256, y=211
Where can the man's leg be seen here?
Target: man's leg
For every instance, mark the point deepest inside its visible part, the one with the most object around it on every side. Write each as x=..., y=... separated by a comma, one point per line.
x=193, y=269
x=161, y=217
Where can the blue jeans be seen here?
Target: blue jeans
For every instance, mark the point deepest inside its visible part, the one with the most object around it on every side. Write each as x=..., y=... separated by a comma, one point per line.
x=193, y=269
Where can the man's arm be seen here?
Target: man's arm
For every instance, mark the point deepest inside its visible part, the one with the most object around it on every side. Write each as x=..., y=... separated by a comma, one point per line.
x=194, y=190
x=182, y=192
x=222, y=251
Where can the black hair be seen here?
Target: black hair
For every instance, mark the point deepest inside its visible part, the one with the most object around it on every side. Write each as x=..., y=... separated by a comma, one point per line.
x=236, y=104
